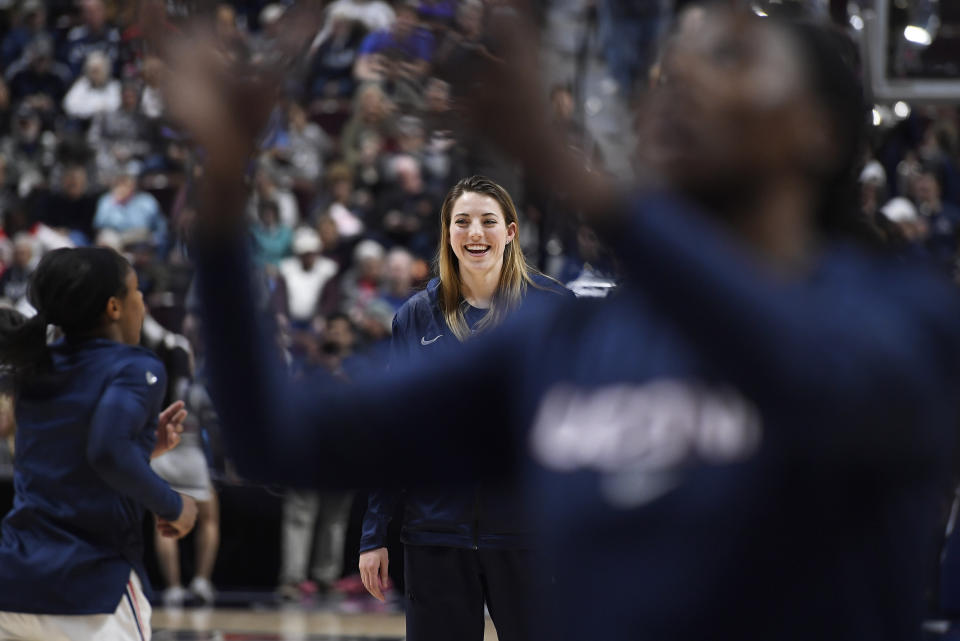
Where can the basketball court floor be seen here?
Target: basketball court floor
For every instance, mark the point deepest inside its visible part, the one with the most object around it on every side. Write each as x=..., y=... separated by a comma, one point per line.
x=323, y=622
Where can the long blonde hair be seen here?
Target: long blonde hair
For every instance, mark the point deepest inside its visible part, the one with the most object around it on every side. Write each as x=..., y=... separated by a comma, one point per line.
x=515, y=275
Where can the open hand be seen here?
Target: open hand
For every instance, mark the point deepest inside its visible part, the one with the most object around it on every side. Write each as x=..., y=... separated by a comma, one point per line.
x=169, y=428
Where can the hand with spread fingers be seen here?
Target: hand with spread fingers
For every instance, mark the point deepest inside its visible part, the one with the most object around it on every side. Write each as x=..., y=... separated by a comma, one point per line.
x=169, y=428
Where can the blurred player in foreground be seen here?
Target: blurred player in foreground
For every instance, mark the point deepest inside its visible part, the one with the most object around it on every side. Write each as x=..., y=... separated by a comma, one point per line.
x=746, y=443
x=88, y=422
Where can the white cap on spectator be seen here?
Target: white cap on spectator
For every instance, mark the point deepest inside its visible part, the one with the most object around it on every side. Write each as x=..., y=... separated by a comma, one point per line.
x=899, y=210
x=873, y=173
x=367, y=250
x=306, y=241
x=271, y=13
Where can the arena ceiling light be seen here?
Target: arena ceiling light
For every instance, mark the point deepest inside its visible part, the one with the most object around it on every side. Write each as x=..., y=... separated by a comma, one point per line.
x=917, y=35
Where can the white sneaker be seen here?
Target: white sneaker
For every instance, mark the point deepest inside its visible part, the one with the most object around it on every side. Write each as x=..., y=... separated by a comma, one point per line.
x=202, y=589
x=174, y=596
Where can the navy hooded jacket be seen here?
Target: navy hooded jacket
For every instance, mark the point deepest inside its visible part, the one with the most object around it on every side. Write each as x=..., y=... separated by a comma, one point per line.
x=481, y=516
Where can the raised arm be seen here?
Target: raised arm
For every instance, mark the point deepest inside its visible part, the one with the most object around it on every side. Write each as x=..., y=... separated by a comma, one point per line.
x=407, y=425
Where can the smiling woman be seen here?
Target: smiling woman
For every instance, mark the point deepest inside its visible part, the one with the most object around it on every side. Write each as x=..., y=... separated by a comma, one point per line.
x=479, y=265
x=462, y=548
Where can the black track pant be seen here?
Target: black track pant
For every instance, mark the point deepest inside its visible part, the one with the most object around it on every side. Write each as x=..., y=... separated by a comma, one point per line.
x=446, y=588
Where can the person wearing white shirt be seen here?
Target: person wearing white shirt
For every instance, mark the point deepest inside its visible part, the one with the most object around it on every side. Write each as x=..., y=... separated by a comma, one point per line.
x=95, y=91
x=305, y=276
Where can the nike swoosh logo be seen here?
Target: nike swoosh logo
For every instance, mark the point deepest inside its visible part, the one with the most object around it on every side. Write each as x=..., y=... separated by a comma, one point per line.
x=151, y=378
x=424, y=341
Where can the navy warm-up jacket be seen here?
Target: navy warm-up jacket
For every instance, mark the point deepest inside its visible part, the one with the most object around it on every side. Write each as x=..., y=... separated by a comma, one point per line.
x=717, y=452
x=477, y=516
x=82, y=480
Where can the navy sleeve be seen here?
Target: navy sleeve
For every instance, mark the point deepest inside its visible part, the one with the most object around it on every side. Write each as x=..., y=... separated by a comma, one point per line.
x=313, y=433
x=873, y=343
x=381, y=505
x=115, y=444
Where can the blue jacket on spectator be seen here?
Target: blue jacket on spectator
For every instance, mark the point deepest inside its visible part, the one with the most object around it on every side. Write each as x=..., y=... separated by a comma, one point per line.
x=479, y=517
x=418, y=45
x=140, y=212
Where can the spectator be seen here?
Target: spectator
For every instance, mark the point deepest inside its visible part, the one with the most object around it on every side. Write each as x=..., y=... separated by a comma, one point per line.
x=361, y=283
x=399, y=58
x=37, y=81
x=942, y=218
x=335, y=247
x=151, y=101
x=70, y=208
x=305, y=276
x=6, y=111
x=319, y=518
x=307, y=146
x=576, y=135
x=120, y=136
x=229, y=36
x=373, y=114
x=266, y=186
x=370, y=179
x=8, y=197
x=185, y=467
x=30, y=22
x=464, y=43
x=628, y=33
x=29, y=150
x=338, y=347
x=337, y=203
x=94, y=34
x=437, y=108
x=406, y=211
x=398, y=278
x=127, y=209
x=331, y=68
x=873, y=180
x=13, y=282
x=95, y=92
x=273, y=238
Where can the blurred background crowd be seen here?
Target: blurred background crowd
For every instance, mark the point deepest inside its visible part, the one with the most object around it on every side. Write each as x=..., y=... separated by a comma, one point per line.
x=347, y=186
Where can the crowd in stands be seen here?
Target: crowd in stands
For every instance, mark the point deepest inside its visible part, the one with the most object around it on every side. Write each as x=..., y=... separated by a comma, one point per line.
x=345, y=190
x=911, y=181
x=347, y=186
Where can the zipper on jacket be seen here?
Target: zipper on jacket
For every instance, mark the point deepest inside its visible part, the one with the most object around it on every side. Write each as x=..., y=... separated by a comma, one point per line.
x=476, y=517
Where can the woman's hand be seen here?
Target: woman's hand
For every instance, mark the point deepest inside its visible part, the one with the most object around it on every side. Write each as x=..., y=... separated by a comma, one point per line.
x=169, y=428
x=184, y=523
x=373, y=572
